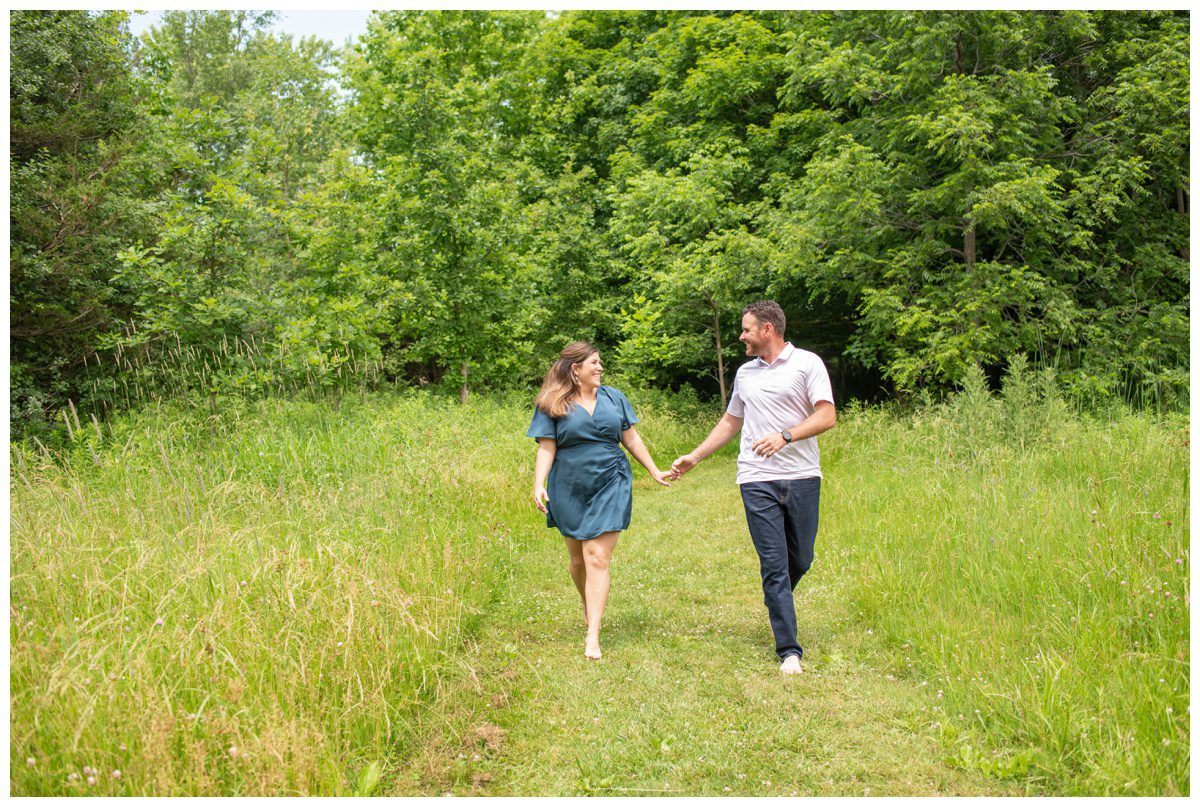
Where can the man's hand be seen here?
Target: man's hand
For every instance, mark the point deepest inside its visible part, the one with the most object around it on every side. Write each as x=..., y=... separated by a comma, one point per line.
x=769, y=445
x=682, y=465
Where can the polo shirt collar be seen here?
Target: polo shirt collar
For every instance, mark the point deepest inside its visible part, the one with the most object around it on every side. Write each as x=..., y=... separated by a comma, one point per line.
x=783, y=356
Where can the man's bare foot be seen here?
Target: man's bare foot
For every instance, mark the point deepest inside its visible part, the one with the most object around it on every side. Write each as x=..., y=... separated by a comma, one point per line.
x=791, y=666
x=592, y=649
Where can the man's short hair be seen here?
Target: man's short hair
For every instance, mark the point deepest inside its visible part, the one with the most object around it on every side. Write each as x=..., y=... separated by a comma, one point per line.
x=768, y=311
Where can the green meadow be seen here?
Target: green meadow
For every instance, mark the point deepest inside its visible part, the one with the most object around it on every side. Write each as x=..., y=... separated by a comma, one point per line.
x=287, y=597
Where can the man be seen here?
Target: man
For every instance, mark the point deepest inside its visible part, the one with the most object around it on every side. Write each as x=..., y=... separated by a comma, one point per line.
x=781, y=401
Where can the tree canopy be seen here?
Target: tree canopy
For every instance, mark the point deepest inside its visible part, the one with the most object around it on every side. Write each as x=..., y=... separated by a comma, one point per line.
x=213, y=208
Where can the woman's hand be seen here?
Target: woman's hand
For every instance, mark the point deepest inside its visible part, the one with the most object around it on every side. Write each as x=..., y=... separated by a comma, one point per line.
x=540, y=497
x=661, y=477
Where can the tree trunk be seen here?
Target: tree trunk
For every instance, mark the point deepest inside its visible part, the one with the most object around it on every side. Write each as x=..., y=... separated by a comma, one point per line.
x=1181, y=205
x=720, y=357
x=462, y=393
x=969, y=245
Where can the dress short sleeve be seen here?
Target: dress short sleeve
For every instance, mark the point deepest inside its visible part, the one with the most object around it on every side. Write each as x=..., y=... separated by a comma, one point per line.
x=628, y=418
x=542, y=425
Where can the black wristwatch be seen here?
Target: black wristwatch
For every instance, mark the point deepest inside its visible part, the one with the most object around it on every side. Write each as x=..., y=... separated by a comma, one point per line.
x=787, y=436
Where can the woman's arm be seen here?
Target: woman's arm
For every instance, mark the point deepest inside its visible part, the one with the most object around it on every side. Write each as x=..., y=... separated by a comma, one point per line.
x=541, y=469
x=633, y=442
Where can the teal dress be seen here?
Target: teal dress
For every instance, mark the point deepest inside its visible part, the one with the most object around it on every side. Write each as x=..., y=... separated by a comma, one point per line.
x=590, y=483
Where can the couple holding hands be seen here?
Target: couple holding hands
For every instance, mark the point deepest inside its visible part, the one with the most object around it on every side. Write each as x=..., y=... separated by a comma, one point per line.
x=582, y=479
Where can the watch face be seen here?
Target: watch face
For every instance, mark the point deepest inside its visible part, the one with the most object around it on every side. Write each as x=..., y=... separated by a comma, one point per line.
x=787, y=436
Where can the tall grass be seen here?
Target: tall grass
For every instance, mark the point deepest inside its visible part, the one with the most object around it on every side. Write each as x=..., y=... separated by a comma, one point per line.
x=265, y=600
x=251, y=604
x=1033, y=567
x=140, y=368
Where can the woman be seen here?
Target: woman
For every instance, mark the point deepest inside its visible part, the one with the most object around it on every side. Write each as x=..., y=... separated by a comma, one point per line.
x=581, y=479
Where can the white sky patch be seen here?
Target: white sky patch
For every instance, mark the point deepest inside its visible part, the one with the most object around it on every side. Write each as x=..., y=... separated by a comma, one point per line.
x=336, y=26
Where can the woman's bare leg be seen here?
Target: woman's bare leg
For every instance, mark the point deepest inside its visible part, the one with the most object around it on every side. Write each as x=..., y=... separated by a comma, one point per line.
x=597, y=554
x=578, y=571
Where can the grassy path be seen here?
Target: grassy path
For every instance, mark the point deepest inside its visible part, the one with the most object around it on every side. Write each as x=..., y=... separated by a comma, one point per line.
x=687, y=699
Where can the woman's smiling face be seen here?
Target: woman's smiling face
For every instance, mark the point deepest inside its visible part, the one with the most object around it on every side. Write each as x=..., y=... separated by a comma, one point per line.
x=589, y=370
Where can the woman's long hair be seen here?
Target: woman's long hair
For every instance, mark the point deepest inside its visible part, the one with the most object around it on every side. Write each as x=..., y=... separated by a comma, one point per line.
x=560, y=385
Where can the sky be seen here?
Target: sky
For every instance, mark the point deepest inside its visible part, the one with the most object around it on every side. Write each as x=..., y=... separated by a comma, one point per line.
x=337, y=26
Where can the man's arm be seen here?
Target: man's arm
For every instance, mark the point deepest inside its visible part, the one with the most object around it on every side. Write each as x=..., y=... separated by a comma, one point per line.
x=722, y=433
x=822, y=419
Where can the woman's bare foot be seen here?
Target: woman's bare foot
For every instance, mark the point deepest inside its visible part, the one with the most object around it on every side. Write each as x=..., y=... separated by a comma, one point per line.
x=585, y=624
x=791, y=666
x=592, y=649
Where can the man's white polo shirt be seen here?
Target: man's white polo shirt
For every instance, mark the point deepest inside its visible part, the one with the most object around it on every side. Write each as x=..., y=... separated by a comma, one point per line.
x=773, y=397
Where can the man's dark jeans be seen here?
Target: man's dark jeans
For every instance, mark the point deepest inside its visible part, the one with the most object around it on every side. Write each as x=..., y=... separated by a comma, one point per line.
x=782, y=515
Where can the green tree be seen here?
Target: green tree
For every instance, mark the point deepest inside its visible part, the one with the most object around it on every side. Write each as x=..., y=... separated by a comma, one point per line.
x=946, y=198
x=76, y=173
x=439, y=115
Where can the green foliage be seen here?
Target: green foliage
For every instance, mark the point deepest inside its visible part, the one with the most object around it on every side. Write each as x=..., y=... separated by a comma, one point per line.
x=948, y=203
x=438, y=115
x=463, y=192
x=73, y=197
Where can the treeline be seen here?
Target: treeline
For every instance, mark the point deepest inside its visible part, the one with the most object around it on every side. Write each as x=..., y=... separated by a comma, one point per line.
x=213, y=209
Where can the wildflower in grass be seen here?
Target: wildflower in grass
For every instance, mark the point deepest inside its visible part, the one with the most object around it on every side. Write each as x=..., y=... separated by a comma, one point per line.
x=30, y=762
x=91, y=780
x=242, y=583
x=158, y=622
x=122, y=746
x=233, y=751
x=116, y=774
